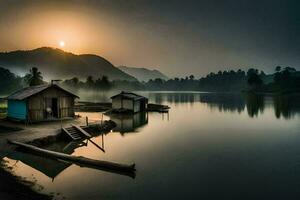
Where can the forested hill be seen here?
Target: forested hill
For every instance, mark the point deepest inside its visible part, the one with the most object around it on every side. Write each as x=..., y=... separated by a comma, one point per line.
x=58, y=64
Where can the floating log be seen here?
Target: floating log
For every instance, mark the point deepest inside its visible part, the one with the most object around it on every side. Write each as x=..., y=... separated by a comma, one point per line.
x=80, y=160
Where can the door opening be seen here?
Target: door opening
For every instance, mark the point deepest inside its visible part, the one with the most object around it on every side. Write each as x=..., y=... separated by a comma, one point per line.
x=54, y=108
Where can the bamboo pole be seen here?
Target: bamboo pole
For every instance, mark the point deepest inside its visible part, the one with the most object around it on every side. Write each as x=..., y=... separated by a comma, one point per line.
x=80, y=160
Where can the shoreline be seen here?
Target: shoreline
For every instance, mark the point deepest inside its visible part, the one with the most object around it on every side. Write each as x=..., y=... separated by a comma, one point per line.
x=13, y=187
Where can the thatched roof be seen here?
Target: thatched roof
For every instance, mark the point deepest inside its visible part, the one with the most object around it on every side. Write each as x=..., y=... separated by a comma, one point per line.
x=30, y=91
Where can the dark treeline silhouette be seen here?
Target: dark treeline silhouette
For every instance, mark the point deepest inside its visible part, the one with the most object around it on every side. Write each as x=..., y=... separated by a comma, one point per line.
x=102, y=83
x=283, y=80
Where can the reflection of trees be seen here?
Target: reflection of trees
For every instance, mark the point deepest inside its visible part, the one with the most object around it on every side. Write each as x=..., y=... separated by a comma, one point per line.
x=255, y=104
x=158, y=98
x=224, y=102
x=173, y=97
x=286, y=106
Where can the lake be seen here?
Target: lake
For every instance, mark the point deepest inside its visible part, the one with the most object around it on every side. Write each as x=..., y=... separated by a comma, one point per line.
x=209, y=146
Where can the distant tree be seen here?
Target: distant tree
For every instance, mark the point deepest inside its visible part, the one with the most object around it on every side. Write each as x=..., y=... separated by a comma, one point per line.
x=277, y=68
x=75, y=81
x=90, y=82
x=34, y=77
x=192, y=77
x=283, y=77
x=262, y=74
x=253, y=78
x=290, y=69
x=103, y=83
x=252, y=71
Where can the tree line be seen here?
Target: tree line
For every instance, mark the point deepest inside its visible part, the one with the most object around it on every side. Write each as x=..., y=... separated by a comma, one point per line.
x=283, y=79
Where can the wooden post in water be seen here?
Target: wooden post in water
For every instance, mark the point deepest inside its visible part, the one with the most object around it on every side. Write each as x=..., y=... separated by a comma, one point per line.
x=87, y=120
x=103, y=140
x=61, y=126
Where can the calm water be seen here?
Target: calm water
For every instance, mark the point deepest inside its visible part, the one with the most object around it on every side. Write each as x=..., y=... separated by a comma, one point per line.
x=209, y=146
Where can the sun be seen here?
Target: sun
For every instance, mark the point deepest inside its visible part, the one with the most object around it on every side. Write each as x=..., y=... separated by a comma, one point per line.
x=61, y=43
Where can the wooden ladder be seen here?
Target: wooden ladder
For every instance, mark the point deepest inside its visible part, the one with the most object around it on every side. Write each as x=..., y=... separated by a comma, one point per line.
x=74, y=133
x=77, y=133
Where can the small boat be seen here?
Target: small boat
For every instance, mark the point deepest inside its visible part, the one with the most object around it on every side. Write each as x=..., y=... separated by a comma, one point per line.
x=157, y=108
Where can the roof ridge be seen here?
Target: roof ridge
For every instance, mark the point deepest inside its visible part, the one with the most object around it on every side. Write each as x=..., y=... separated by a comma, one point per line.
x=32, y=90
x=133, y=95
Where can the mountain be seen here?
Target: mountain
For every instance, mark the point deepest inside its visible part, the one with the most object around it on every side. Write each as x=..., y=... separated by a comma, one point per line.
x=143, y=74
x=58, y=64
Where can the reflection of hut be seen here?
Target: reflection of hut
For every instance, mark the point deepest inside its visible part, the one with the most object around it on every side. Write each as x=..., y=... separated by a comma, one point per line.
x=129, y=101
x=128, y=123
x=43, y=102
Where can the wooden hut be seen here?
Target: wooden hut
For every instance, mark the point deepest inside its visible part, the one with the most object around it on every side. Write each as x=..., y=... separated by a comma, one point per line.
x=41, y=103
x=129, y=101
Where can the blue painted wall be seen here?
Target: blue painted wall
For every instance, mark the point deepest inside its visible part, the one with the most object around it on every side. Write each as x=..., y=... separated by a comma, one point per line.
x=17, y=109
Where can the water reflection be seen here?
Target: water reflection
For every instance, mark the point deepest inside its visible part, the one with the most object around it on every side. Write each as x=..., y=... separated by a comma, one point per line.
x=49, y=167
x=159, y=98
x=52, y=168
x=255, y=104
x=226, y=146
x=286, y=106
x=129, y=123
x=224, y=102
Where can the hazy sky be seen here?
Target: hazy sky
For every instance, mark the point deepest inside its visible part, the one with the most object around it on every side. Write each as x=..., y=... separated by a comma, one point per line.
x=176, y=37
